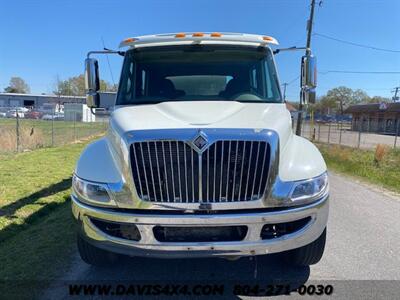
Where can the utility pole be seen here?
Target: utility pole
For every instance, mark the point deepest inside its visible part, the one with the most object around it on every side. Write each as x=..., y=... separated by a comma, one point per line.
x=308, y=52
x=284, y=90
x=396, y=90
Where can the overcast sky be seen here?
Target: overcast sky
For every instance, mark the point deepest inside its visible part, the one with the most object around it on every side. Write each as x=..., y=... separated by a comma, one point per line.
x=43, y=39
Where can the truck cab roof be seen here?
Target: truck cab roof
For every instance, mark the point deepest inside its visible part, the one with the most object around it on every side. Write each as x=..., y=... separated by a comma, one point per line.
x=188, y=38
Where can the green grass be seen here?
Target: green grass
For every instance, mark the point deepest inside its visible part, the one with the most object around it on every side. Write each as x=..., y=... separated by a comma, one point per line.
x=361, y=164
x=31, y=260
x=42, y=133
x=36, y=226
x=37, y=234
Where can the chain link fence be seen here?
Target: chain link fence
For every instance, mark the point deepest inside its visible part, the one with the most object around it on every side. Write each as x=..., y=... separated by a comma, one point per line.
x=28, y=129
x=24, y=129
x=348, y=134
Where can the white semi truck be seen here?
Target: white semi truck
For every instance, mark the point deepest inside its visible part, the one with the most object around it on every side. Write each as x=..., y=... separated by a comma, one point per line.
x=200, y=159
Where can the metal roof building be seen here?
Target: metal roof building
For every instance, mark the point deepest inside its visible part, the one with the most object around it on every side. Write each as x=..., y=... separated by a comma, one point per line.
x=31, y=100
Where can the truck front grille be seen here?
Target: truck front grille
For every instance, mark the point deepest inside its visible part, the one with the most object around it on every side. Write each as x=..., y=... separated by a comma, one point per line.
x=227, y=171
x=165, y=171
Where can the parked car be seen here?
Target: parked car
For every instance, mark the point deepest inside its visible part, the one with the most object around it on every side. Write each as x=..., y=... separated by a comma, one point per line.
x=56, y=116
x=12, y=113
x=3, y=114
x=22, y=109
x=33, y=114
x=47, y=117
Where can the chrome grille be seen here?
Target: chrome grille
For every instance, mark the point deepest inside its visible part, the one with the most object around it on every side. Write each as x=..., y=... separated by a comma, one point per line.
x=170, y=171
x=165, y=171
x=234, y=171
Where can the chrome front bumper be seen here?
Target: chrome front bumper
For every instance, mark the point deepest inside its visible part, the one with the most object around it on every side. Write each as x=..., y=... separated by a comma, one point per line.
x=252, y=244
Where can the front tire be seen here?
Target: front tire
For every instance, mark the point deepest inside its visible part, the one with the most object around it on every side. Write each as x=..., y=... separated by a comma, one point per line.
x=309, y=254
x=95, y=256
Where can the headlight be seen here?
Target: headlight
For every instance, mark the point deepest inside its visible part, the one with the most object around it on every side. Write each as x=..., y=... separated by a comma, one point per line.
x=91, y=192
x=309, y=190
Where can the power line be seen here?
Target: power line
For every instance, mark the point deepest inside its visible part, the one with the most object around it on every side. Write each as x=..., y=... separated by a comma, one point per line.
x=108, y=61
x=358, y=72
x=355, y=44
x=297, y=22
x=293, y=80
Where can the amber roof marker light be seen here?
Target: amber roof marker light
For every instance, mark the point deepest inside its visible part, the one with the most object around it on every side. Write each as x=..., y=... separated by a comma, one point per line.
x=215, y=34
x=268, y=38
x=130, y=40
x=198, y=34
x=198, y=37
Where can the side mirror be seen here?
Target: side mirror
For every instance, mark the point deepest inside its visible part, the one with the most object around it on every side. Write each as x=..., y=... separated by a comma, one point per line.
x=92, y=82
x=311, y=96
x=308, y=96
x=309, y=72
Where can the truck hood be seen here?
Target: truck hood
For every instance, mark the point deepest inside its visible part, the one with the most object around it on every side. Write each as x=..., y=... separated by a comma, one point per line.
x=204, y=114
x=107, y=160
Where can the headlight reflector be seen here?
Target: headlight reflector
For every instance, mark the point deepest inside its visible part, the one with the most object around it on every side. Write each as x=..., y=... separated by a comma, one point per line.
x=91, y=192
x=310, y=189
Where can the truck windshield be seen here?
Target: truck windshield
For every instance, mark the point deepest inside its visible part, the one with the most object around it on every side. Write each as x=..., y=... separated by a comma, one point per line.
x=198, y=73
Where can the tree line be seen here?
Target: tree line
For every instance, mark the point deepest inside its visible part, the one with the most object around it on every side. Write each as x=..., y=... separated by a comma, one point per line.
x=73, y=86
x=338, y=99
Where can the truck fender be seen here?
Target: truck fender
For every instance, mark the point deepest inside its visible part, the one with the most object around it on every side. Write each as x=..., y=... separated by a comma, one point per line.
x=96, y=163
x=300, y=159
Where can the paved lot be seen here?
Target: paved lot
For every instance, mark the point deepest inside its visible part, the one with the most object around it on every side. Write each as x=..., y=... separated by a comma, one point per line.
x=363, y=244
x=346, y=137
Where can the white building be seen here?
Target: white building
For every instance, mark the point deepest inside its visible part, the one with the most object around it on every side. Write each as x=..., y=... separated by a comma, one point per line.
x=78, y=112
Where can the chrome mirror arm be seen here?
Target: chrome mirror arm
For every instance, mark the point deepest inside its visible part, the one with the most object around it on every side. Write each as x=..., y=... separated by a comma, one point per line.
x=294, y=48
x=105, y=51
